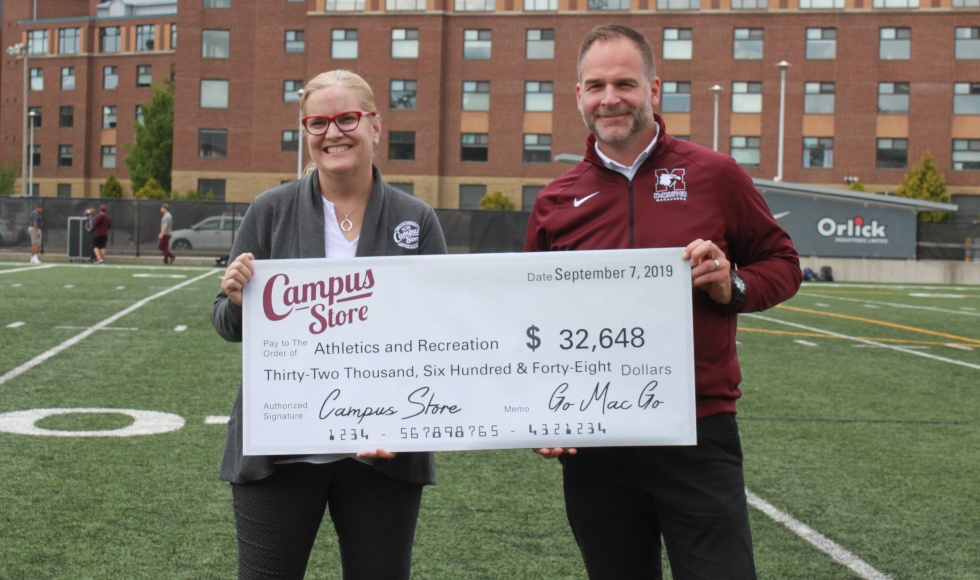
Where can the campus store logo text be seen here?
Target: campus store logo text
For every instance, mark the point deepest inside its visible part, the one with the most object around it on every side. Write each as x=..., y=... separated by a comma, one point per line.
x=854, y=231
x=328, y=301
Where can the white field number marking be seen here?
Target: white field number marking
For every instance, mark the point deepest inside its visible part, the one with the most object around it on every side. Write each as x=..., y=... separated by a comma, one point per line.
x=180, y=328
x=17, y=324
x=144, y=423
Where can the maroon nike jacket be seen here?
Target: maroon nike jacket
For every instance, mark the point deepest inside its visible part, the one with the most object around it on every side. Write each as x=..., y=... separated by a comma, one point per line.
x=682, y=192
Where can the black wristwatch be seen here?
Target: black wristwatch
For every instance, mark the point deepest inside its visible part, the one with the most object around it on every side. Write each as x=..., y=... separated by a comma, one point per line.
x=738, y=288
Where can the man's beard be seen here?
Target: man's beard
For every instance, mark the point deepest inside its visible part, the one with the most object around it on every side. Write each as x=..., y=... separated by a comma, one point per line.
x=638, y=120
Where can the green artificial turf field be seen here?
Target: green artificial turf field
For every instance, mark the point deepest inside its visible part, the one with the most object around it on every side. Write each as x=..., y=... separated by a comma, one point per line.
x=858, y=420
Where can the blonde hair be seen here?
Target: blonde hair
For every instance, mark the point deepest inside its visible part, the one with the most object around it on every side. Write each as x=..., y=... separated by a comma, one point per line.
x=338, y=78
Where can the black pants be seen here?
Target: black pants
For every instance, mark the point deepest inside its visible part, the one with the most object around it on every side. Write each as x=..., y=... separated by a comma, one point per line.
x=277, y=519
x=619, y=501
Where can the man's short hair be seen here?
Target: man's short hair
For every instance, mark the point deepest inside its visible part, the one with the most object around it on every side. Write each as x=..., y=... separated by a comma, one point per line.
x=609, y=32
x=165, y=206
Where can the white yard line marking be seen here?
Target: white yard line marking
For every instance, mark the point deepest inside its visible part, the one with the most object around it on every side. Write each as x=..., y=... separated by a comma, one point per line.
x=968, y=308
x=870, y=305
x=216, y=420
x=69, y=285
x=822, y=305
x=913, y=347
x=16, y=324
x=103, y=328
x=180, y=328
x=866, y=341
x=16, y=285
x=895, y=304
x=80, y=336
x=935, y=295
x=159, y=275
x=959, y=346
x=818, y=540
x=120, y=287
x=27, y=269
x=805, y=342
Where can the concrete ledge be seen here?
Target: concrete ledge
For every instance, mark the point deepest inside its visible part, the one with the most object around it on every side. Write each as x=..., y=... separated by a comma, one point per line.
x=896, y=271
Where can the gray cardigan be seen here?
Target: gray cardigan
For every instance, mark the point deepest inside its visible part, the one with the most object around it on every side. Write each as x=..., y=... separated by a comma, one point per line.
x=287, y=222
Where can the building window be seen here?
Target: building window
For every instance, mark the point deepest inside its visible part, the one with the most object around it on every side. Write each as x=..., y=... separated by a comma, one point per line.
x=109, y=117
x=966, y=154
x=746, y=150
x=966, y=3
x=475, y=147
x=401, y=145
x=678, y=4
x=895, y=44
x=68, y=41
x=609, y=4
x=675, y=97
x=678, y=44
x=212, y=143
x=295, y=41
x=750, y=4
x=748, y=44
x=345, y=5
x=818, y=98
x=746, y=97
x=290, y=91
x=540, y=44
x=216, y=187
x=110, y=77
x=539, y=96
x=37, y=117
x=64, y=155
x=217, y=3
x=37, y=79
x=344, y=43
x=109, y=40
x=408, y=188
x=968, y=43
x=144, y=75
x=895, y=4
x=893, y=98
x=537, y=148
x=37, y=42
x=64, y=190
x=405, y=43
x=476, y=5
x=821, y=4
x=476, y=44
x=138, y=115
x=403, y=94
x=821, y=43
x=818, y=152
x=66, y=117
x=413, y=5
x=144, y=37
x=892, y=153
x=215, y=43
x=214, y=94
x=36, y=159
x=529, y=193
x=966, y=98
x=290, y=141
x=470, y=195
x=173, y=36
x=539, y=5
x=68, y=78
x=476, y=95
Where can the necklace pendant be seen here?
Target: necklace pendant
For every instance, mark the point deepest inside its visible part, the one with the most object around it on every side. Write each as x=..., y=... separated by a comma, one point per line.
x=347, y=225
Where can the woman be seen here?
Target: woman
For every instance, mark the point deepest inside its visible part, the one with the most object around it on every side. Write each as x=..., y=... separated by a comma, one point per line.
x=340, y=209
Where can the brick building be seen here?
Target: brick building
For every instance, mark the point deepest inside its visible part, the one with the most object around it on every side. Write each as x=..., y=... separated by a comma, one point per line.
x=478, y=95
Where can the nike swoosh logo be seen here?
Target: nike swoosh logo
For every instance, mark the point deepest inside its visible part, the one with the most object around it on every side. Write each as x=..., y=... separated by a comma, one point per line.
x=579, y=202
x=780, y=215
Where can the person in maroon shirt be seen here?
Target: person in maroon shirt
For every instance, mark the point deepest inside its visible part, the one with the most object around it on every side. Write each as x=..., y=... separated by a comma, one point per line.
x=638, y=187
x=102, y=224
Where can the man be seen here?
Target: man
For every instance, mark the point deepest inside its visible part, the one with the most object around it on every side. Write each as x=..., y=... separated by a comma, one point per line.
x=166, y=227
x=638, y=187
x=90, y=232
x=102, y=224
x=36, y=230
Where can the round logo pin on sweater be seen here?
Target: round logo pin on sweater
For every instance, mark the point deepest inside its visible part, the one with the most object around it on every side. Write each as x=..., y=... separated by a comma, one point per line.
x=407, y=235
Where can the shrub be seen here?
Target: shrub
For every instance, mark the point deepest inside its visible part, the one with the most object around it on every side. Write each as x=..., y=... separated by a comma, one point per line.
x=151, y=190
x=112, y=187
x=497, y=200
x=925, y=182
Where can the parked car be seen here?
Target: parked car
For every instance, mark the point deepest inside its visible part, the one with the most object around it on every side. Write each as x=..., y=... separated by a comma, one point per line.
x=213, y=233
x=11, y=233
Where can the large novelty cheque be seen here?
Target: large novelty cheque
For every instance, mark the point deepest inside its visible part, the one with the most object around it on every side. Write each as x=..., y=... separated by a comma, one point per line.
x=490, y=351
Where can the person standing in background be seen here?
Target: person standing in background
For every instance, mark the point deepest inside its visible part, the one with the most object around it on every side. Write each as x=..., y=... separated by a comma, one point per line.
x=36, y=230
x=102, y=224
x=166, y=227
x=90, y=232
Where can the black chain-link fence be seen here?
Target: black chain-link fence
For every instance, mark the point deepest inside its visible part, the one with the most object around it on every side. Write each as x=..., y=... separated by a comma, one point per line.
x=951, y=241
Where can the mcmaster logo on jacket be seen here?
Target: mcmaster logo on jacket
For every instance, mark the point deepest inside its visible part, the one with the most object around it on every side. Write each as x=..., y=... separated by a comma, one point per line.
x=670, y=185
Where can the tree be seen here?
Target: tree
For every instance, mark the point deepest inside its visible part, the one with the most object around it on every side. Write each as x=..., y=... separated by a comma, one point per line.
x=112, y=187
x=151, y=190
x=151, y=156
x=497, y=200
x=925, y=182
x=857, y=186
x=8, y=175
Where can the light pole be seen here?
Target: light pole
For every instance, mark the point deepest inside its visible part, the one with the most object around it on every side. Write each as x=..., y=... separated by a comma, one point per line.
x=19, y=50
x=30, y=179
x=783, y=65
x=714, y=141
x=299, y=140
